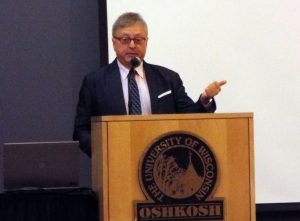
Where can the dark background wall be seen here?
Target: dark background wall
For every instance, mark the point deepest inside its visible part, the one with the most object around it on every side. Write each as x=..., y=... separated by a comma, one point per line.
x=46, y=47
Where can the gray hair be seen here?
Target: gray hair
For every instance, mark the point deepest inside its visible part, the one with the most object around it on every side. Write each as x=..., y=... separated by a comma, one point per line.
x=127, y=19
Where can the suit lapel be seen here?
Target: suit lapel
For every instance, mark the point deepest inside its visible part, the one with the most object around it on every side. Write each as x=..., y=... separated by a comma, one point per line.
x=153, y=86
x=114, y=90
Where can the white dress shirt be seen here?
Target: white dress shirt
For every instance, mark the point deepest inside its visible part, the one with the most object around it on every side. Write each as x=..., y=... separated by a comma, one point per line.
x=142, y=86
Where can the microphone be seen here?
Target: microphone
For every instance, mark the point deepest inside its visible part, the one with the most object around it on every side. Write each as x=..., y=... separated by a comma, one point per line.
x=135, y=62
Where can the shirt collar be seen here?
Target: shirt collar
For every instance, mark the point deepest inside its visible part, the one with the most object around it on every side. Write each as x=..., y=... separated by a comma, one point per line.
x=125, y=71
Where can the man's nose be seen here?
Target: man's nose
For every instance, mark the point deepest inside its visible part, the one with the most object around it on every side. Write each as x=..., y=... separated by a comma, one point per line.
x=131, y=43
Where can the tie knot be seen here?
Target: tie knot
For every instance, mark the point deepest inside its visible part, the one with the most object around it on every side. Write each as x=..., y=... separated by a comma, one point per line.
x=132, y=72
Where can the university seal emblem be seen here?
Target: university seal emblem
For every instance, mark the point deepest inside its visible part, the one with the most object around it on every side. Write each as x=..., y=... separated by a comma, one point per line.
x=178, y=174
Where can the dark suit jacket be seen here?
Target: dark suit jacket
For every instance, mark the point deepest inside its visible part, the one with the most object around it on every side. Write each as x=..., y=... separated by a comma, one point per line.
x=101, y=94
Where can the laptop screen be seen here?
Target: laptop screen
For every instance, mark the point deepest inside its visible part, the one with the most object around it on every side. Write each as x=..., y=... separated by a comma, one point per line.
x=41, y=165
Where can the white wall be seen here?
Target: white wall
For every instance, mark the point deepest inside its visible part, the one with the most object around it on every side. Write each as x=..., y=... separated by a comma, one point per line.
x=255, y=46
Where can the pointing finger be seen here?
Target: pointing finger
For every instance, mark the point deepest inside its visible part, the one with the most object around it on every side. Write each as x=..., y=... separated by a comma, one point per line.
x=221, y=83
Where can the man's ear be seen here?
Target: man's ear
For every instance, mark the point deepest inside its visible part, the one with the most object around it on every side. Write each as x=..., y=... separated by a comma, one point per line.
x=113, y=42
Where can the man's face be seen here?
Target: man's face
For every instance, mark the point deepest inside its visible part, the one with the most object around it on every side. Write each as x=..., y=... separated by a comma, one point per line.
x=125, y=48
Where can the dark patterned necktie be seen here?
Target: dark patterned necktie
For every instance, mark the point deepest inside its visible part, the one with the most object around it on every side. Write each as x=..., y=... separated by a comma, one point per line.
x=134, y=103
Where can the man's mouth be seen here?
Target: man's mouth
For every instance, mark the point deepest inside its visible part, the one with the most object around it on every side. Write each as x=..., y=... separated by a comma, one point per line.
x=132, y=54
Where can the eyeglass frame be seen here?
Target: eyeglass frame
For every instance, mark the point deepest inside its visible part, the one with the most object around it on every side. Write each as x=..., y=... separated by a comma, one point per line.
x=125, y=40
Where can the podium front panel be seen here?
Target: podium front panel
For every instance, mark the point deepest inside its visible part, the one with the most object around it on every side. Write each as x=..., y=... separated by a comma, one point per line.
x=120, y=142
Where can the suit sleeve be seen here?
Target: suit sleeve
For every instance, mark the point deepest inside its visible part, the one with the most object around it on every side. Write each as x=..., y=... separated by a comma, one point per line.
x=82, y=126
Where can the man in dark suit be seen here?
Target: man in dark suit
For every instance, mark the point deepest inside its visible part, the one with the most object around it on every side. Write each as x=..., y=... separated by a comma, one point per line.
x=161, y=91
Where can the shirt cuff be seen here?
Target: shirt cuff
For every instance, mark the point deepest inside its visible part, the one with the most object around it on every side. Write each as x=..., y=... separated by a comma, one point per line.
x=206, y=104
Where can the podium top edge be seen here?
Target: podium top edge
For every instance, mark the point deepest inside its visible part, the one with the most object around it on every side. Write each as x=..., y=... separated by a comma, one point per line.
x=171, y=117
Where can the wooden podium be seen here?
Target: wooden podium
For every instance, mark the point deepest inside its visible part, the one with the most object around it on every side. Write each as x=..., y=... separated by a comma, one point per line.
x=119, y=142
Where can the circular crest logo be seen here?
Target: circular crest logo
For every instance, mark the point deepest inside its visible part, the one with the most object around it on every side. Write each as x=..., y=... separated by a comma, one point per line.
x=178, y=167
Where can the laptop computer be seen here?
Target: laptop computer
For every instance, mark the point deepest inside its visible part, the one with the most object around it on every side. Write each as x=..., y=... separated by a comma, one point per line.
x=41, y=165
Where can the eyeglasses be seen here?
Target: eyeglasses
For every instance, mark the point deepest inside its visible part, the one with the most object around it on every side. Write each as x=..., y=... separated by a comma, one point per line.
x=127, y=40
